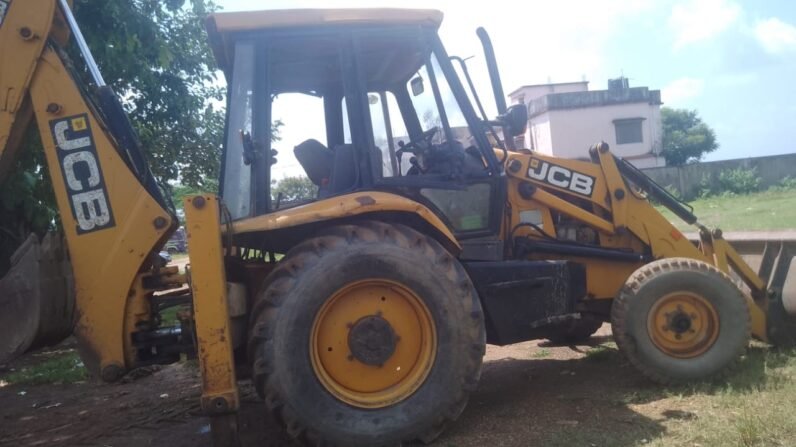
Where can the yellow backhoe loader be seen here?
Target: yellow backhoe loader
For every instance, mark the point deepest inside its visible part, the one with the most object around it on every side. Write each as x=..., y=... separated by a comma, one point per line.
x=361, y=314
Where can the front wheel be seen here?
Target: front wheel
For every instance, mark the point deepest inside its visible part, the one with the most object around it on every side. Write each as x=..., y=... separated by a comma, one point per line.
x=680, y=320
x=370, y=334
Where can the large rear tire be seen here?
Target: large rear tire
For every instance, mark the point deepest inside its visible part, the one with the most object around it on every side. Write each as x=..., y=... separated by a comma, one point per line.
x=368, y=334
x=680, y=320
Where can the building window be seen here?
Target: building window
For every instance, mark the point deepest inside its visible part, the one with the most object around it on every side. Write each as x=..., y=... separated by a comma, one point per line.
x=628, y=131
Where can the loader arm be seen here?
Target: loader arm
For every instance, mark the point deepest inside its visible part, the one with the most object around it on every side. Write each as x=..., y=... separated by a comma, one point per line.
x=113, y=216
x=613, y=199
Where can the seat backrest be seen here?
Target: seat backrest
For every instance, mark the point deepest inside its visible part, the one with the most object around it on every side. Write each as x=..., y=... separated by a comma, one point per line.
x=344, y=172
x=316, y=159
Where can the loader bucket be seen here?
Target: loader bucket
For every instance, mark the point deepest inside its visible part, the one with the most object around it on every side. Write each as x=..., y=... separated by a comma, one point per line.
x=771, y=253
x=776, y=265
x=37, y=300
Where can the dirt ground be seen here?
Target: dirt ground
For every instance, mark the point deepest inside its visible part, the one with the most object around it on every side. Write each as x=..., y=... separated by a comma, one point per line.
x=530, y=394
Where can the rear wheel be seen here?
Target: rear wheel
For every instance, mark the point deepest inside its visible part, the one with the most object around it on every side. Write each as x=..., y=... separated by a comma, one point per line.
x=680, y=319
x=367, y=335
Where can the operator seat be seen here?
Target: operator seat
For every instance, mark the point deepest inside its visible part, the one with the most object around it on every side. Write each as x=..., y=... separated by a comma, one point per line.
x=332, y=171
x=316, y=160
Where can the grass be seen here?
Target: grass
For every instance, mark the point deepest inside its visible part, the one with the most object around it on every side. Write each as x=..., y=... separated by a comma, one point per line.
x=768, y=210
x=752, y=407
x=602, y=353
x=60, y=367
x=541, y=354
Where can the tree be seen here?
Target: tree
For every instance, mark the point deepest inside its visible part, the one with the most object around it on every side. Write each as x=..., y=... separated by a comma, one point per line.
x=686, y=139
x=294, y=188
x=155, y=56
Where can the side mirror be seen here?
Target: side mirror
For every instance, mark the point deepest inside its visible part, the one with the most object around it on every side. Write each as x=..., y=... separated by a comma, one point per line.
x=417, y=86
x=515, y=120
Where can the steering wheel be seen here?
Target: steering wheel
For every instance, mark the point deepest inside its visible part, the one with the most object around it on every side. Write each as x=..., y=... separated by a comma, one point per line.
x=415, y=146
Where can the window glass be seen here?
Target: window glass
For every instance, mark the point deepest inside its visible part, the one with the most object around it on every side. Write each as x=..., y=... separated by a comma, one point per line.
x=386, y=142
x=628, y=131
x=467, y=210
x=426, y=107
x=236, y=189
x=296, y=117
x=304, y=75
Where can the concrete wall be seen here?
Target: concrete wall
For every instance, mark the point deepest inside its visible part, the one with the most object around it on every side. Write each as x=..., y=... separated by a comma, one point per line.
x=687, y=179
x=569, y=133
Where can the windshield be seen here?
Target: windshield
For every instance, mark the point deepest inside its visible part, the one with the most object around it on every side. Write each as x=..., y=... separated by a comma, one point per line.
x=428, y=85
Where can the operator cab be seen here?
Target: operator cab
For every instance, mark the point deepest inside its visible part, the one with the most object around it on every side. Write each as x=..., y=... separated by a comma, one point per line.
x=329, y=102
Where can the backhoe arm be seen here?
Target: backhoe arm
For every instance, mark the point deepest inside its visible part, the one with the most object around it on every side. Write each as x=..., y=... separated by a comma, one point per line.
x=113, y=217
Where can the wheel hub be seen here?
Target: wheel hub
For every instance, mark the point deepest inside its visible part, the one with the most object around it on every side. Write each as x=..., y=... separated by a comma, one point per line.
x=683, y=324
x=680, y=322
x=372, y=340
x=373, y=343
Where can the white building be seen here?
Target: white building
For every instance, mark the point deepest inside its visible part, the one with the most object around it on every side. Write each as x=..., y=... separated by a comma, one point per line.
x=566, y=119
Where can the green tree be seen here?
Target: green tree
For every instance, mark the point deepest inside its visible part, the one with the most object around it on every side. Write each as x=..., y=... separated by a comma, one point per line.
x=155, y=56
x=686, y=138
x=294, y=188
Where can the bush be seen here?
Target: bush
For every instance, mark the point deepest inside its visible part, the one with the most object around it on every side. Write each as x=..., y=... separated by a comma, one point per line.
x=786, y=184
x=731, y=182
x=674, y=192
x=706, y=187
x=739, y=181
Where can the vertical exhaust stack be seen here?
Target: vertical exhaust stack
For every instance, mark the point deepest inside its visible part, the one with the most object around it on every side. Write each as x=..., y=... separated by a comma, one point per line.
x=494, y=73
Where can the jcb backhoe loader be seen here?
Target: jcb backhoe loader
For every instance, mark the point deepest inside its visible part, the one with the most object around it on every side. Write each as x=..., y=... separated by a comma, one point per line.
x=361, y=314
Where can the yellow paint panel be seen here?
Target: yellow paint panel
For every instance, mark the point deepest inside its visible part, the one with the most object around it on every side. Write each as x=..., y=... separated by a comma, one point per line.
x=221, y=26
x=211, y=315
x=18, y=59
x=348, y=205
x=282, y=18
x=106, y=254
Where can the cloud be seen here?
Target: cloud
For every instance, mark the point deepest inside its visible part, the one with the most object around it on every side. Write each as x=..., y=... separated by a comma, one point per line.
x=776, y=36
x=700, y=20
x=736, y=79
x=681, y=90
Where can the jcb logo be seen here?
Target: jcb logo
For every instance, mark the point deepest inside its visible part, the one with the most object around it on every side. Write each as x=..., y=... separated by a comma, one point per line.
x=4, y=5
x=83, y=178
x=561, y=177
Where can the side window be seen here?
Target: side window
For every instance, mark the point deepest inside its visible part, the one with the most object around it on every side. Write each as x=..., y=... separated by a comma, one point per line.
x=628, y=131
x=467, y=210
x=388, y=129
x=296, y=117
x=236, y=186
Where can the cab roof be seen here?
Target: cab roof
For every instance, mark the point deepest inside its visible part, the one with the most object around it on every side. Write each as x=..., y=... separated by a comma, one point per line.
x=222, y=26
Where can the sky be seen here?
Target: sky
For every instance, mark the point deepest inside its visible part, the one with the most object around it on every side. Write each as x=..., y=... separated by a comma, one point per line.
x=732, y=61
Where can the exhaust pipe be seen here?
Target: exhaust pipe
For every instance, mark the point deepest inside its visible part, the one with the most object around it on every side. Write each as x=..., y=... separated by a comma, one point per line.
x=494, y=73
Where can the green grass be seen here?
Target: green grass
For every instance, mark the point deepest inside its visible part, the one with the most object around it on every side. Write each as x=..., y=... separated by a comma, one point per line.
x=751, y=407
x=540, y=354
x=603, y=353
x=168, y=317
x=768, y=210
x=60, y=367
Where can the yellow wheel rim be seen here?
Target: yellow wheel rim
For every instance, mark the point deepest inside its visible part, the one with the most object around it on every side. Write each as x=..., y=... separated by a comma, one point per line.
x=683, y=324
x=373, y=343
